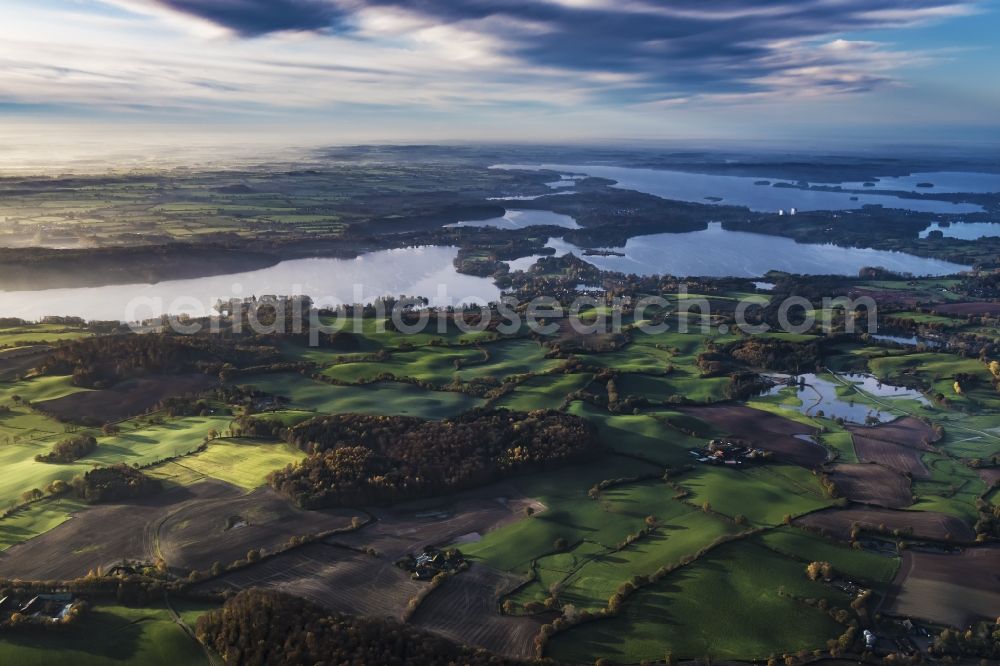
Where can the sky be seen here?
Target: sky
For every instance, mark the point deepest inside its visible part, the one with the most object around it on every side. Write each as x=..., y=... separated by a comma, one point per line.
x=86, y=72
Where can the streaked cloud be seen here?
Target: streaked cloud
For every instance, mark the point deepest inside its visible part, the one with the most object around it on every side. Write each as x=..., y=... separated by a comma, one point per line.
x=659, y=48
x=262, y=56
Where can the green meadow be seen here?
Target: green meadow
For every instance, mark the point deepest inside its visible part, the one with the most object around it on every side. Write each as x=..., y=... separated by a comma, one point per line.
x=754, y=613
x=144, y=445
x=763, y=494
x=390, y=398
x=36, y=518
x=544, y=392
x=809, y=547
x=569, y=514
x=241, y=462
x=110, y=634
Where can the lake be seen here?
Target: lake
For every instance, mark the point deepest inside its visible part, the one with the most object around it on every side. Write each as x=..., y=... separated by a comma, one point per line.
x=429, y=271
x=942, y=181
x=965, y=230
x=742, y=190
x=717, y=252
x=519, y=219
x=415, y=271
x=909, y=340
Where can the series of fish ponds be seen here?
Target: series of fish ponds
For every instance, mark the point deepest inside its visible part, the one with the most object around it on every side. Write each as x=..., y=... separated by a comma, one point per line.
x=851, y=397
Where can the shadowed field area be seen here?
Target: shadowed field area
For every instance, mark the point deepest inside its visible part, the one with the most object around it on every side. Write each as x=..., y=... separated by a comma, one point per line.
x=125, y=399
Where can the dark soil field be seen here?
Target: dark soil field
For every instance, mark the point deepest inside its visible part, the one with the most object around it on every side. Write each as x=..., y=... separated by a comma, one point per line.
x=991, y=475
x=872, y=484
x=954, y=589
x=223, y=530
x=983, y=308
x=103, y=535
x=767, y=431
x=897, y=445
x=888, y=296
x=338, y=578
x=837, y=523
x=129, y=398
x=465, y=610
x=894, y=456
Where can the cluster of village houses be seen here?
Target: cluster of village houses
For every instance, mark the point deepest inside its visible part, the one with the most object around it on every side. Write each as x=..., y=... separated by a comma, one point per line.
x=729, y=452
x=431, y=561
x=41, y=608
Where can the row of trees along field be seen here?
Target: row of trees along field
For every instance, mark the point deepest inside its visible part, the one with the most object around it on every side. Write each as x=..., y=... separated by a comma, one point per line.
x=101, y=484
x=361, y=459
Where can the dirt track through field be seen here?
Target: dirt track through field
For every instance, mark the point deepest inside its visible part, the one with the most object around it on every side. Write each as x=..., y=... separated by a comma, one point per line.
x=199, y=534
x=103, y=535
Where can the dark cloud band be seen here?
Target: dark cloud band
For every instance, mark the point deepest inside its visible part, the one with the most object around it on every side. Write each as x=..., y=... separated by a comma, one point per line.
x=258, y=17
x=681, y=47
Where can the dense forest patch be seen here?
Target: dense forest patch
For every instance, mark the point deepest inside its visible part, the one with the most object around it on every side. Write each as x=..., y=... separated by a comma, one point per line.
x=358, y=459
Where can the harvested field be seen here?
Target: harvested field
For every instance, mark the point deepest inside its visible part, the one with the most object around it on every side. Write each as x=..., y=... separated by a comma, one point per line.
x=465, y=610
x=337, y=578
x=223, y=530
x=128, y=398
x=907, y=431
x=954, y=589
x=102, y=535
x=898, y=445
x=837, y=523
x=766, y=430
x=894, y=456
x=981, y=308
x=872, y=484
